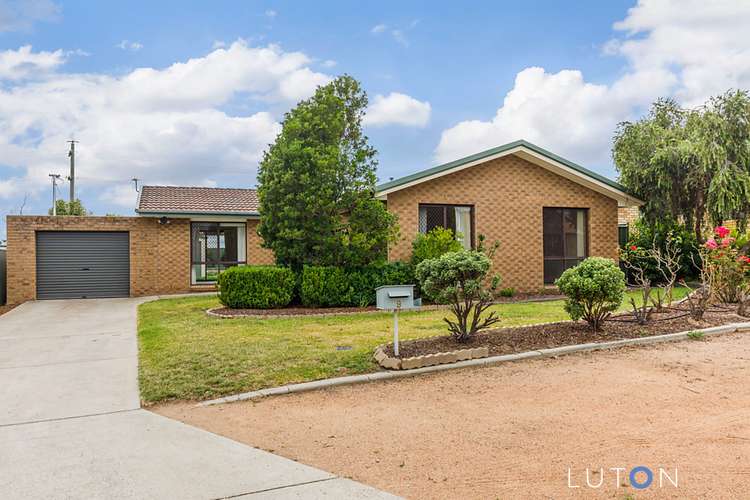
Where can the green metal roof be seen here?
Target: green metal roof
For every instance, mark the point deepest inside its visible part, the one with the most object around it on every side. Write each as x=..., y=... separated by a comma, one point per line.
x=491, y=152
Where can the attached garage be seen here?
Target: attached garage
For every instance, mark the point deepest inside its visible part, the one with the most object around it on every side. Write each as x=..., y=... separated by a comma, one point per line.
x=82, y=264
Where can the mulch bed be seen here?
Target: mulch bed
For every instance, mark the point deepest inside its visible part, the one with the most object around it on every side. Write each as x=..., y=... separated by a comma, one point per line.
x=290, y=311
x=546, y=336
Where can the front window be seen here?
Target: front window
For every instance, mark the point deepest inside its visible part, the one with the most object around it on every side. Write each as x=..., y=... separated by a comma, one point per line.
x=565, y=240
x=215, y=247
x=458, y=218
x=623, y=235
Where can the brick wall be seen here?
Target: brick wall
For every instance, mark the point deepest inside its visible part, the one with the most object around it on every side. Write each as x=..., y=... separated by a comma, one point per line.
x=159, y=254
x=255, y=253
x=508, y=195
x=627, y=215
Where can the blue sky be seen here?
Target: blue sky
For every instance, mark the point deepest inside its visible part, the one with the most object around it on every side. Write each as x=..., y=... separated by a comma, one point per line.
x=191, y=92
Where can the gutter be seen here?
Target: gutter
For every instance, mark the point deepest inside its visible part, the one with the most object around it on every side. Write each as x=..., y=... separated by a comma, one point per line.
x=167, y=213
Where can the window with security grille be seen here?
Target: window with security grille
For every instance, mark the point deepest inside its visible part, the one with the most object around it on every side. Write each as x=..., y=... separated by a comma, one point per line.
x=215, y=247
x=457, y=218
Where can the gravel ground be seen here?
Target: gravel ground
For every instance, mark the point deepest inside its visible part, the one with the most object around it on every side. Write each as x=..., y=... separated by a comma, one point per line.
x=514, y=430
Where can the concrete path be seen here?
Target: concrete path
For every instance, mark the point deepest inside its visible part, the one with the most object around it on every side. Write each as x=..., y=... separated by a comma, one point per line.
x=71, y=424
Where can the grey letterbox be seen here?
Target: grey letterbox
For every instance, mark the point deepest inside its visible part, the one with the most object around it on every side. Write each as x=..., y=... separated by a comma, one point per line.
x=392, y=297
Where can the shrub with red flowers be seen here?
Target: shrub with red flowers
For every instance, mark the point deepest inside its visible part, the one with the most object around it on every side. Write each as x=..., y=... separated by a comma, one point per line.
x=730, y=267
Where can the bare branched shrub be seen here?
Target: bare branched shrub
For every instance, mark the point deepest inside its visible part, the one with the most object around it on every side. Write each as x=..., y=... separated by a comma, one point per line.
x=657, y=300
x=743, y=300
x=642, y=312
x=700, y=299
x=668, y=262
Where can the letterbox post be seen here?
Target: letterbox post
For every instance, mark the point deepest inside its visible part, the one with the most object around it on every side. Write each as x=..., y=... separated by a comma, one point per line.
x=394, y=298
x=395, y=328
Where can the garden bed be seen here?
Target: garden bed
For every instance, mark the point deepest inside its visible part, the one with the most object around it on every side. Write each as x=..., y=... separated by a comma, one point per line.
x=500, y=341
x=287, y=312
x=226, y=312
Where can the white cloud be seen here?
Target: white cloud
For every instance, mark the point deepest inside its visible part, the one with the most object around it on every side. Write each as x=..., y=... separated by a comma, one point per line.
x=400, y=38
x=328, y=63
x=397, y=109
x=704, y=44
x=23, y=63
x=20, y=15
x=123, y=195
x=271, y=13
x=398, y=34
x=163, y=125
x=128, y=45
x=558, y=111
x=686, y=49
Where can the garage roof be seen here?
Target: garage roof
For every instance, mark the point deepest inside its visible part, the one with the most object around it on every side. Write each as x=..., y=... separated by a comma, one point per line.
x=165, y=200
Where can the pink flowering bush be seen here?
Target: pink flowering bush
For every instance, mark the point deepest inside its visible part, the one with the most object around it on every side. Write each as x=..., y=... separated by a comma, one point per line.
x=730, y=267
x=721, y=231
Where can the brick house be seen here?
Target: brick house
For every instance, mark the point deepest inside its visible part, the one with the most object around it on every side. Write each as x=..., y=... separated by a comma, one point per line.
x=547, y=213
x=179, y=242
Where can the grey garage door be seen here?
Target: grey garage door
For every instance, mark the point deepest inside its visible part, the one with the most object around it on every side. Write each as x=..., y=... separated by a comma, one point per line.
x=73, y=264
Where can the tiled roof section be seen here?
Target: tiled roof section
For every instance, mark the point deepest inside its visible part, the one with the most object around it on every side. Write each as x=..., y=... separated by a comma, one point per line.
x=197, y=200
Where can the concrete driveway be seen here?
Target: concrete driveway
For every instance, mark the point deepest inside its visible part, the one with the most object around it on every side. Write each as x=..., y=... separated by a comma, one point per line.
x=71, y=424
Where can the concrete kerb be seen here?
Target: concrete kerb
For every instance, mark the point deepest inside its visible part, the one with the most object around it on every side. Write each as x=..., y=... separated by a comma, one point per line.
x=542, y=353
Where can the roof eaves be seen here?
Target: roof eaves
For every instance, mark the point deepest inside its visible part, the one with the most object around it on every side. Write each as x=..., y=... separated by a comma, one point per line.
x=196, y=212
x=498, y=150
x=138, y=201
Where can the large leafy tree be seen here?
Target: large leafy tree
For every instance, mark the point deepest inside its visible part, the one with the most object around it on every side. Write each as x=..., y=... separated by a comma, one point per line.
x=316, y=184
x=691, y=166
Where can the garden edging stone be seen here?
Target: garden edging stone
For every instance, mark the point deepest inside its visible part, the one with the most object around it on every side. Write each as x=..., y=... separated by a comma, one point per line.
x=388, y=375
x=439, y=358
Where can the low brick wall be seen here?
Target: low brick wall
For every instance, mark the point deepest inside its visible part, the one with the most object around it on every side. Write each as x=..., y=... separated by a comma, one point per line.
x=440, y=358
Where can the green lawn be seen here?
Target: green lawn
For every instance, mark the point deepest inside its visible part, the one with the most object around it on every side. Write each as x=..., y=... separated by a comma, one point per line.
x=185, y=354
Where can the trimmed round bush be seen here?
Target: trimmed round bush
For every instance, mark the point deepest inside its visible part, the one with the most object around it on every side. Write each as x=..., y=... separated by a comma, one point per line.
x=256, y=287
x=594, y=288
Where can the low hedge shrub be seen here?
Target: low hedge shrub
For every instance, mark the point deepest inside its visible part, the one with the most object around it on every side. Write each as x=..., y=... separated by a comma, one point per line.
x=256, y=287
x=338, y=287
x=324, y=286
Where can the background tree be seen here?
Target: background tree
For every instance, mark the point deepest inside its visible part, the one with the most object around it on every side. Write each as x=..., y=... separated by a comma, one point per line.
x=692, y=166
x=316, y=184
x=70, y=208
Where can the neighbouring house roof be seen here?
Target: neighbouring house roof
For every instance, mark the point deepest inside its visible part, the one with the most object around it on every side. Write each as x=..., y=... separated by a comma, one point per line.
x=180, y=200
x=527, y=151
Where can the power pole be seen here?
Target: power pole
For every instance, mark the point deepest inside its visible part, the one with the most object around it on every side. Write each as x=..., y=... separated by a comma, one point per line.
x=72, y=176
x=55, y=178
